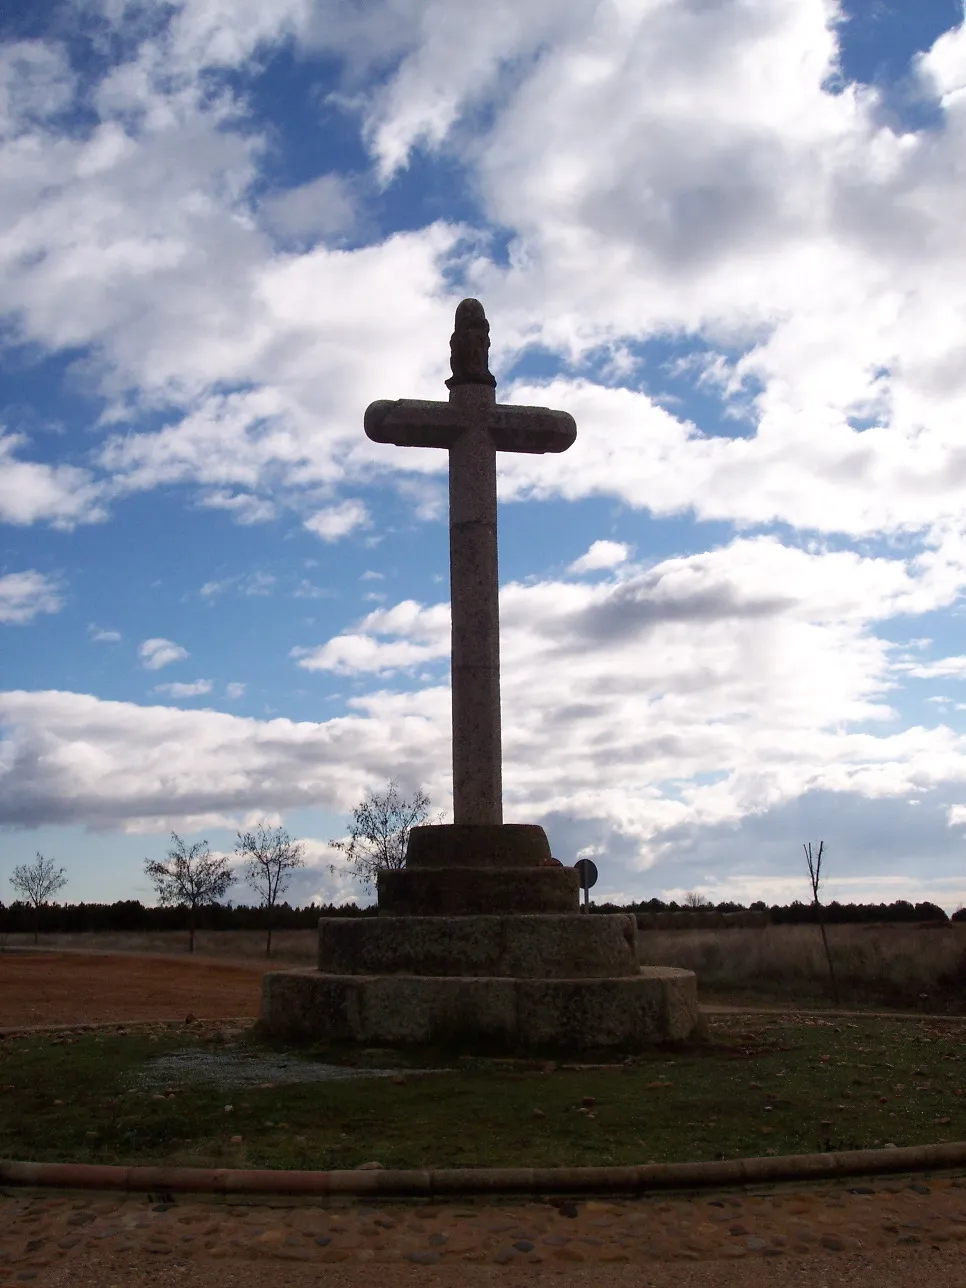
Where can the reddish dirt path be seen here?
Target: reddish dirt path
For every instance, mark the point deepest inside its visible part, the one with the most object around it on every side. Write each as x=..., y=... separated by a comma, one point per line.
x=71, y=988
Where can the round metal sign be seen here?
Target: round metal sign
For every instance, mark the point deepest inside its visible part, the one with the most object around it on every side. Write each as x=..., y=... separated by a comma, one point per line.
x=587, y=871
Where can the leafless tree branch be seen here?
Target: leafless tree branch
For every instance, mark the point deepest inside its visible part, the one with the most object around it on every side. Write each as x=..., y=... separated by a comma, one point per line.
x=191, y=876
x=37, y=881
x=270, y=855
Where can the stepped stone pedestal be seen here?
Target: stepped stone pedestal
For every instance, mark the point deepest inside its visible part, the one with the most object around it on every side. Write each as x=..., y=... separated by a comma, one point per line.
x=449, y=959
x=480, y=939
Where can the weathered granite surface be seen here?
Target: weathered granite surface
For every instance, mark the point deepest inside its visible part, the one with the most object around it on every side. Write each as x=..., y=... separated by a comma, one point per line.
x=508, y=845
x=572, y=946
x=453, y=892
x=632, y=1013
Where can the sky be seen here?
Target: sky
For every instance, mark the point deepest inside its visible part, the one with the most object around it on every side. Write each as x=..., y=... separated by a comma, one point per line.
x=724, y=235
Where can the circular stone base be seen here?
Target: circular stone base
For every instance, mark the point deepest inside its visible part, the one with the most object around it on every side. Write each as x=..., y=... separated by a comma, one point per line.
x=631, y=1013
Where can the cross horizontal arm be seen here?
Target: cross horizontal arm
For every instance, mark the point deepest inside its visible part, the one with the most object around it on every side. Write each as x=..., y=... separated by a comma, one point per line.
x=531, y=429
x=412, y=422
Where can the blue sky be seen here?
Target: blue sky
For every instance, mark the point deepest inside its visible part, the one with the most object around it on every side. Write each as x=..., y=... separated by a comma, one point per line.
x=725, y=236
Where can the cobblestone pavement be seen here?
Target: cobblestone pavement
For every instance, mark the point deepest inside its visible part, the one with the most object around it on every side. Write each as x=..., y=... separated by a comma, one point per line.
x=883, y=1231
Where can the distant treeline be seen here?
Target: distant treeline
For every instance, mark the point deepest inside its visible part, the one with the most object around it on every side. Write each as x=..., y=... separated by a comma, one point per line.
x=132, y=915
x=791, y=914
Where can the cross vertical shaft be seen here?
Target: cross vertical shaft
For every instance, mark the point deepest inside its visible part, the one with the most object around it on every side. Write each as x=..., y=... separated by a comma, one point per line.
x=475, y=610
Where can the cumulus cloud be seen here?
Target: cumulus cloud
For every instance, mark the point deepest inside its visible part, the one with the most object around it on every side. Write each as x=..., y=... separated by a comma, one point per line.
x=427, y=639
x=748, y=663
x=32, y=492
x=100, y=636
x=71, y=758
x=337, y=521
x=324, y=207
x=155, y=653
x=177, y=689
x=679, y=172
x=24, y=595
x=601, y=555
x=244, y=507
x=235, y=689
x=664, y=706
x=808, y=245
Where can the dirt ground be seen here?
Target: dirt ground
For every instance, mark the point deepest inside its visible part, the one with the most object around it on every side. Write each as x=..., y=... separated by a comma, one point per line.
x=833, y=1237
x=38, y=988
x=158, y=980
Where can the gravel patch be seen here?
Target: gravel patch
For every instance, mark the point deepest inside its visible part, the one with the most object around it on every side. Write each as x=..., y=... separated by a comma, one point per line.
x=230, y=1069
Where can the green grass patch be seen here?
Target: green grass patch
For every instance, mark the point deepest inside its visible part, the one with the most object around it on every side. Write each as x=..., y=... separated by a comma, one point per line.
x=757, y=1086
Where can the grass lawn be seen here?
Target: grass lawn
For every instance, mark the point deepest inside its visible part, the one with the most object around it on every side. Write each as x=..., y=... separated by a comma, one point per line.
x=759, y=1085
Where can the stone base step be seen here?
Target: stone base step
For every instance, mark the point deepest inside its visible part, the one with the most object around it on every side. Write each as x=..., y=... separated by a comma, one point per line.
x=627, y=1013
x=536, y=946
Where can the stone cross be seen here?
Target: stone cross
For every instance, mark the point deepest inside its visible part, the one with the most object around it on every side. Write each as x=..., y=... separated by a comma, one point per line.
x=473, y=427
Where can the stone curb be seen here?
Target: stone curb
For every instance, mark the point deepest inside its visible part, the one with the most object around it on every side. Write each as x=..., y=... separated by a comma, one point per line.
x=496, y=1181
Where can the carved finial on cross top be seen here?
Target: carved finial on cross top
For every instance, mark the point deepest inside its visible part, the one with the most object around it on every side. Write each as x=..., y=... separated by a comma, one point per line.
x=469, y=347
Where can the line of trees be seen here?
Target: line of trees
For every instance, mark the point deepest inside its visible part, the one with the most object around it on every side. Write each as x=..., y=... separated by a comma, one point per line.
x=797, y=913
x=191, y=883
x=130, y=915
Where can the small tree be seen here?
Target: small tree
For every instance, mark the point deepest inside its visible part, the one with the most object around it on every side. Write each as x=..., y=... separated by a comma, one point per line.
x=269, y=856
x=37, y=881
x=191, y=876
x=815, y=874
x=379, y=832
x=694, y=899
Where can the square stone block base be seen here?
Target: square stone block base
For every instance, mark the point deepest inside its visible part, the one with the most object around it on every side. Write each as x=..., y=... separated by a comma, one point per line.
x=629, y=1013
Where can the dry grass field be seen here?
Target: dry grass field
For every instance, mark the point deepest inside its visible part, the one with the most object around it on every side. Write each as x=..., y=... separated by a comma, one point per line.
x=289, y=947
x=912, y=967
x=915, y=967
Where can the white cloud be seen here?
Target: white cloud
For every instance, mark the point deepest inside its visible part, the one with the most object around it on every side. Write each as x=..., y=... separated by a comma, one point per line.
x=667, y=170
x=673, y=701
x=155, y=653
x=794, y=225
x=308, y=590
x=323, y=207
x=100, y=636
x=24, y=595
x=36, y=82
x=943, y=67
x=602, y=554
x=337, y=521
x=69, y=757
x=177, y=689
x=247, y=584
x=30, y=492
x=235, y=689
x=428, y=632
x=245, y=508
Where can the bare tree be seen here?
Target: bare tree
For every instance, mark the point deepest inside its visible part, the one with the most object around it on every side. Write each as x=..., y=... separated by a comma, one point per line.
x=695, y=899
x=379, y=832
x=815, y=875
x=191, y=876
x=270, y=856
x=37, y=881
